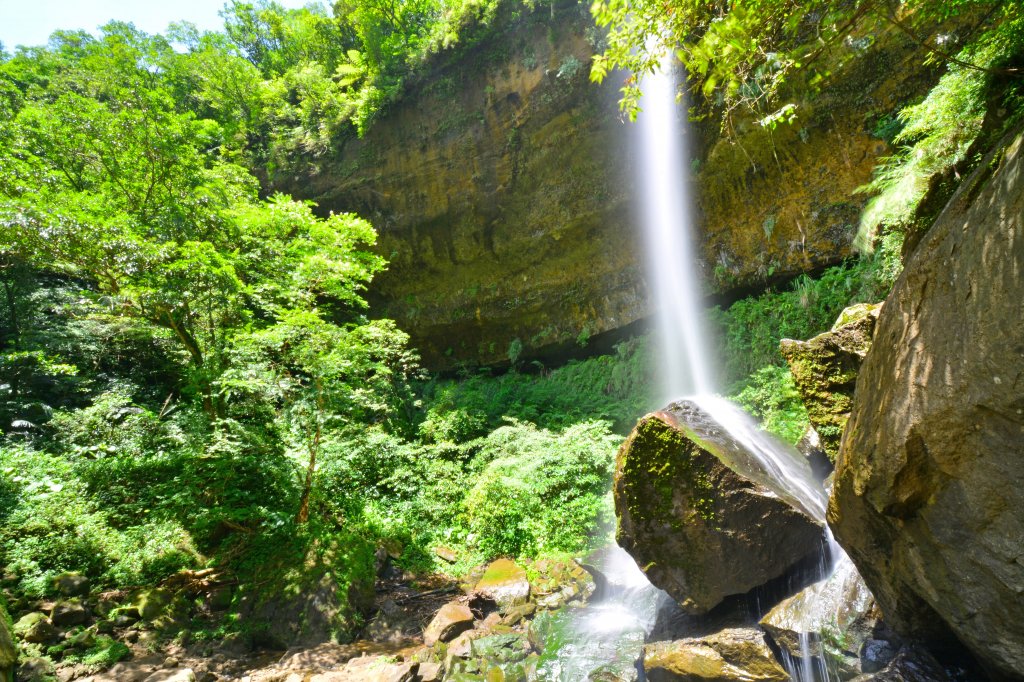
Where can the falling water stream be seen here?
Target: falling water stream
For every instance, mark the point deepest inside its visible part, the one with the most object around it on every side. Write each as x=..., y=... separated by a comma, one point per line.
x=686, y=364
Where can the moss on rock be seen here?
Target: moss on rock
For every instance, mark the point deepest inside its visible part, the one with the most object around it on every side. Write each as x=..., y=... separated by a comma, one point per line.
x=825, y=370
x=699, y=528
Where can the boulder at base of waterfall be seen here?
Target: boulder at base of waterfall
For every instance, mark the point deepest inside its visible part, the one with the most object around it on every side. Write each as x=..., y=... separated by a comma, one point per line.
x=693, y=516
x=929, y=483
x=910, y=665
x=730, y=655
x=505, y=583
x=452, y=620
x=834, y=617
x=825, y=370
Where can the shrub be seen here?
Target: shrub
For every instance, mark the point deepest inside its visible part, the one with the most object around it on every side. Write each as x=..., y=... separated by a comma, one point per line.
x=541, y=492
x=770, y=395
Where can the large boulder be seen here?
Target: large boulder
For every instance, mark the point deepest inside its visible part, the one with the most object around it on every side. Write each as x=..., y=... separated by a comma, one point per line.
x=930, y=479
x=825, y=371
x=730, y=655
x=504, y=582
x=450, y=621
x=699, y=513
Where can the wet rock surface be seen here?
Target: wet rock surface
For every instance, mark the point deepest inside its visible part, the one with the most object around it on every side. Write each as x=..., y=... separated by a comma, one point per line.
x=930, y=480
x=825, y=371
x=694, y=515
x=828, y=623
x=731, y=655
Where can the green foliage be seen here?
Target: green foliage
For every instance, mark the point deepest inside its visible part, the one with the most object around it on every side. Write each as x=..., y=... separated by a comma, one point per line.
x=741, y=55
x=103, y=654
x=541, y=492
x=937, y=134
x=751, y=328
x=770, y=395
x=614, y=387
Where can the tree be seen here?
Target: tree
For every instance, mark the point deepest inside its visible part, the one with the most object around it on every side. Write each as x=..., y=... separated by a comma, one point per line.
x=740, y=54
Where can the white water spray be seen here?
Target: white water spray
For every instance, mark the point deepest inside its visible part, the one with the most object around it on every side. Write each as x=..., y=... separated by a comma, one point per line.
x=685, y=361
x=675, y=283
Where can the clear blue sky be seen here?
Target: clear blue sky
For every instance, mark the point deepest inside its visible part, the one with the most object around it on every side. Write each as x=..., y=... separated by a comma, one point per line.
x=30, y=22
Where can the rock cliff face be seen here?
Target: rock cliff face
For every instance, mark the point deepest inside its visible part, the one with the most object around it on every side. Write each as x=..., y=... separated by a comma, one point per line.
x=501, y=187
x=930, y=478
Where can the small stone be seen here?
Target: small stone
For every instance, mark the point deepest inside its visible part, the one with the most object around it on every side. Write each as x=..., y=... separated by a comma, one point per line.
x=171, y=662
x=447, y=554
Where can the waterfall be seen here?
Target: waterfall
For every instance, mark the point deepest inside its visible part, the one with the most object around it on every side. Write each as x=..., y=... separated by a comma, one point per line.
x=686, y=363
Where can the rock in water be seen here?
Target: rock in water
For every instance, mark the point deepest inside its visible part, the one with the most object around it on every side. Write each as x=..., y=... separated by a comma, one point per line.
x=930, y=478
x=825, y=370
x=731, y=655
x=833, y=617
x=697, y=513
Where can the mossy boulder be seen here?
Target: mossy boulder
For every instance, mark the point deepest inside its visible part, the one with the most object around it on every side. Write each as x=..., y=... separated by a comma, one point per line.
x=825, y=370
x=35, y=628
x=698, y=516
x=505, y=583
x=730, y=655
x=8, y=647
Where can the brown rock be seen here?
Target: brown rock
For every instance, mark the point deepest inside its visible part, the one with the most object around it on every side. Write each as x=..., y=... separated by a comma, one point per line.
x=505, y=583
x=513, y=219
x=730, y=655
x=697, y=514
x=930, y=478
x=450, y=621
x=825, y=371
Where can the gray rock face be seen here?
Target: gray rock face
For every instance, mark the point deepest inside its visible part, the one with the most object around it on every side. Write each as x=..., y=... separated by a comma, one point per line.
x=930, y=479
x=698, y=514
